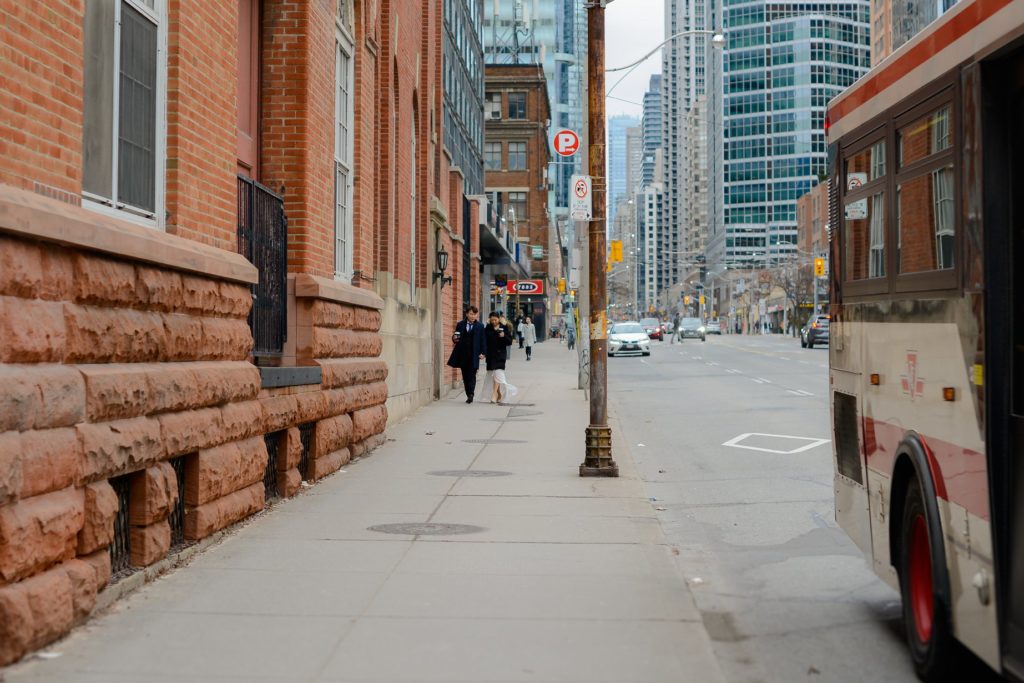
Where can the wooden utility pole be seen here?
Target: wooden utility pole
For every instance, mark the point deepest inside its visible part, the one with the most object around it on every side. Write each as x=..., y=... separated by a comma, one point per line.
x=598, y=461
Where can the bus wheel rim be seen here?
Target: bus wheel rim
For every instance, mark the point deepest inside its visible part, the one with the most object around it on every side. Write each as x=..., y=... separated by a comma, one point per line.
x=921, y=589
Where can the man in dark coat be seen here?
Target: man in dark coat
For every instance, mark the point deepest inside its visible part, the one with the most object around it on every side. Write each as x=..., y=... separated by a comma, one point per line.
x=470, y=349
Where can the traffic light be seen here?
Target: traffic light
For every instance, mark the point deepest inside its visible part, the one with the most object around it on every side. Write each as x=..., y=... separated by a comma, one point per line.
x=616, y=255
x=561, y=285
x=686, y=300
x=819, y=267
x=701, y=299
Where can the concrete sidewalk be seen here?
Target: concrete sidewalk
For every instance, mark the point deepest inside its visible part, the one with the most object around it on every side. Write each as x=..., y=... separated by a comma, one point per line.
x=557, y=578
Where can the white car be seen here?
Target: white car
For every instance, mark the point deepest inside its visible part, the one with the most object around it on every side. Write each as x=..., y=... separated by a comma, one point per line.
x=628, y=338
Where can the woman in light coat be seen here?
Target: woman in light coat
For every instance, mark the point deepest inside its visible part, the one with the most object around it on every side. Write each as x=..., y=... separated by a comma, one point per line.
x=529, y=333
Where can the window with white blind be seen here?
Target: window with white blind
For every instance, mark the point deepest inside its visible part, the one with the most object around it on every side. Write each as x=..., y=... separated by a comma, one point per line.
x=124, y=123
x=343, y=142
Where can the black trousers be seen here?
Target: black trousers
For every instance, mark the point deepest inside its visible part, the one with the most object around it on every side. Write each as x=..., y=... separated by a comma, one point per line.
x=469, y=380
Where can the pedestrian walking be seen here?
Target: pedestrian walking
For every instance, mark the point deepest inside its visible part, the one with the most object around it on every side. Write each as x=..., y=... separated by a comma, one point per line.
x=519, y=333
x=570, y=336
x=470, y=348
x=529, y=335
x=498, y=339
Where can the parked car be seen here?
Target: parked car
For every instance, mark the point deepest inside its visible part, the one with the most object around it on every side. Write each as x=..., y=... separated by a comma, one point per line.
x=814, y=332
x=693, y=328
x=713, y=326
x=628, y=337
x=653, y=328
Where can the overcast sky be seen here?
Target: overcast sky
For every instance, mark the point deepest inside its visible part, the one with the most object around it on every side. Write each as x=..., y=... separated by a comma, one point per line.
x=632, y=28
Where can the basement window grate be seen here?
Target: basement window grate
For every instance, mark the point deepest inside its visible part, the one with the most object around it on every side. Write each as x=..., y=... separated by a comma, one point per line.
x=306, y=435
x=121, y=546
x=847, y=442
x=273, y=441
x=177, y=518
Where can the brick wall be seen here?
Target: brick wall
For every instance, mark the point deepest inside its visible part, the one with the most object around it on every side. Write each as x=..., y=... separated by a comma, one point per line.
x=41, y=96
x=201, y=123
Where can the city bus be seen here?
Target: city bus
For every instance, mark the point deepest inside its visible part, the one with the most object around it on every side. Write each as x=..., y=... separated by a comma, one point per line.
x=926, y=156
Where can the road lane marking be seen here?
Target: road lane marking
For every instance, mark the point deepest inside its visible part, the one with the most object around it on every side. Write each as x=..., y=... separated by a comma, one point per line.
x=734, y=371
x=712, y=364
x=783, y=358
x=762, y=380
x=736, y=442
x=799, y=392
x=757, y=380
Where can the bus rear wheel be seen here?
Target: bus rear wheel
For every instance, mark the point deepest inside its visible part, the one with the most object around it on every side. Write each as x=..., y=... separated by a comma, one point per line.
x=926, y=620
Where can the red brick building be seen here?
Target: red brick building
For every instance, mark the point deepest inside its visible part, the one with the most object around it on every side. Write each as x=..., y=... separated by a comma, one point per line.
x=516, y=160
x=217, y=221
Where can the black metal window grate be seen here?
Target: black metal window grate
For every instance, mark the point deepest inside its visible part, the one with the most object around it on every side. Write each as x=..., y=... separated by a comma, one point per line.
x=273, y=441
x=121, y=547
x=263, y=240
x=177, y=518
x=306, y=435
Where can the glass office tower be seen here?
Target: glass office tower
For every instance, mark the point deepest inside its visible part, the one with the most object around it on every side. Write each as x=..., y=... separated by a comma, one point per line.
x=783, y=62
x=552, y=33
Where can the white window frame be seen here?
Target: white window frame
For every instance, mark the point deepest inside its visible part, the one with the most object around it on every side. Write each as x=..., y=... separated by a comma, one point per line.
x=109, y=206
x=344, y=232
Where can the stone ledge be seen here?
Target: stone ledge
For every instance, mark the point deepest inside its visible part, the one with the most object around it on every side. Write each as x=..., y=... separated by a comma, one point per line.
x=34, y=217
x=315, y=287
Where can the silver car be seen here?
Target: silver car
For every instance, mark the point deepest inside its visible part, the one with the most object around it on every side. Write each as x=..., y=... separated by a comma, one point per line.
x=628, y=337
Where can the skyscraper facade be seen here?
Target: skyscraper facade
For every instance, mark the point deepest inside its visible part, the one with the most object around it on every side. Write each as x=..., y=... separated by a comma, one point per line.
x=552, y=33
x=684, y=81
x=463, y=86
x=634, y=160
x=651, y=124
x=910, y=16
x=618, y=160
x=783, y=62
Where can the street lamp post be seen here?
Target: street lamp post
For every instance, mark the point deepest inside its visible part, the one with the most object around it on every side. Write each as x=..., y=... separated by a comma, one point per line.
x=598, y=460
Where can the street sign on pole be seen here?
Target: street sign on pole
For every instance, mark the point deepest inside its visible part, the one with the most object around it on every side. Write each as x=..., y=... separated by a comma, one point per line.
x=566, y=142
x=581, y=206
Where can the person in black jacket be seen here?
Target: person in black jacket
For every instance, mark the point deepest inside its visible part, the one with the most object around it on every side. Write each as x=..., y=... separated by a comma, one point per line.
x=499, y=338
x=470, y=348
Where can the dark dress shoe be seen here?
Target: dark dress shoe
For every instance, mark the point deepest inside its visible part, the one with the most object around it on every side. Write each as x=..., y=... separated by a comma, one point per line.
x=469, y=399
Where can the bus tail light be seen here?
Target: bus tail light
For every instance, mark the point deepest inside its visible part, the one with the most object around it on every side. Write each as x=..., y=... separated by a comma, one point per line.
x=949, y=393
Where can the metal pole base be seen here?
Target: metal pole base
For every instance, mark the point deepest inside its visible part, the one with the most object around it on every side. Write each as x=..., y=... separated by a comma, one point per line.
x=598, y=461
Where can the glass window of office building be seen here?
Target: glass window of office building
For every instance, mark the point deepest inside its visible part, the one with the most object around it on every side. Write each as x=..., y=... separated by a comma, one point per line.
x=782, y=64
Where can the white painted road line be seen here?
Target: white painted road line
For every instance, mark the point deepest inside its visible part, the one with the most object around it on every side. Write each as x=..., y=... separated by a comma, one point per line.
x=712, y=363
x=758, y=380
x=764, y=381
x=734, y=371
x=799, y=392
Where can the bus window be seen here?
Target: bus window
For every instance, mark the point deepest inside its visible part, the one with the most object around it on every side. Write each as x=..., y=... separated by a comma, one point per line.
x=925, y=221
x=865, y=237
x=866, y=165
x=927, y=135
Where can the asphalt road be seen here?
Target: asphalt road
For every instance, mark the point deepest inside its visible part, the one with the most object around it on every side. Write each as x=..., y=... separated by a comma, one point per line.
x=785, y=595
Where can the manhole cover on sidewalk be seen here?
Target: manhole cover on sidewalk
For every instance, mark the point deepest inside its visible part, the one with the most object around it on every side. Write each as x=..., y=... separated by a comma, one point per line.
x=426, y=529
x=492, y=441
x=469, y=473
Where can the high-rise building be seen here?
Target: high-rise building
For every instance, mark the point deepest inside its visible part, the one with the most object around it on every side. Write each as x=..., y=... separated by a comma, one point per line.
x=634, y=159
x=782, y=65
x=881, y=30
x=684, y=73
x=552, y=33
x=910, y=16
x=651, y=131
x=463, y=86
x=618, y=160
x=650, y=224
x=695, y=195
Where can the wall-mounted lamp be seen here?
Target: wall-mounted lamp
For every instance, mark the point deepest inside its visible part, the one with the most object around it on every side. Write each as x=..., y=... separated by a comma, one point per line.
x=442, y=265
